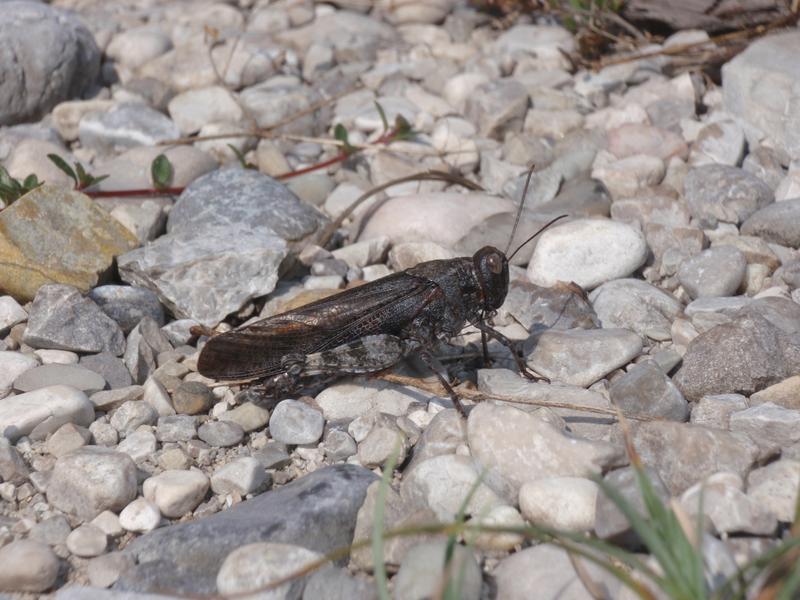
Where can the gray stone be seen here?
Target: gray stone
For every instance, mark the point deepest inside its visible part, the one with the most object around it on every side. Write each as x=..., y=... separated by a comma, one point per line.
x=145, y=342
x=562, y=503
x=90, y=480
x=537, y=308
x=140, y=516
x=383, y=439
x=221, y=434
x=516, y=447
x=654, y=205
x=337, y=584
x=549, y=570
x=760, y=86
x=764, y=163
x=43, y=411
x=111, y=368
x=12, y=467
x=12, y=366
x=176, y=492
x=62, y=319
x=251, y=567
x=610, y=522
x=139, y=445
x=722, y=193
x=588, y=252
x=338, y=445
x=232, y=264
x=243, y=475
x=74, y=376
x=248, y=415
x=718, y=271
x=443, y=435
x=275, y=455
x=125, y=126
x=768, y=425
x=421, y=573
x=721, y=142
x=176, y=428
x=27, y=566
x=778, y=223
x=716, y=410
x=636, y=305
x=646, y=390
x=49, y=56
x=11, y=313
x=775, y=487
x=103, y=571
x=133, y=414
x=227, y=198
x=743, y=356
x=128, y=305
x=709, y=312
x=581, y=357
x=108, y=400
x=294, y=422
x=87, y=541
x=52, y=531
x=683, y=454
x=497, y=107
x=318, y=510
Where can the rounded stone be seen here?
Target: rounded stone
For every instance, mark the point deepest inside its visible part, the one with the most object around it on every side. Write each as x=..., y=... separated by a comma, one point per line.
x=253, y=566
x=221, y=434
x=87, y=541
x=422, y=570
x=192, y=398
x=140, y=516
x=294, y=422
x=90, y=480
x=242, y=475
x=717, y=271
x=27, y=566
x=176, y=492
x=724, y=193
x=564, y=503
x=588, y=252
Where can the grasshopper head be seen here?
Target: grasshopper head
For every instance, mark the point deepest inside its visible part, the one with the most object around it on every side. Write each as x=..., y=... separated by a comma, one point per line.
x=491, y=269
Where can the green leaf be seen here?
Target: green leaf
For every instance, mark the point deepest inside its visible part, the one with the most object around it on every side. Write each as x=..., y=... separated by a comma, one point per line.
x=84, y=179
x=96, y=180
x=241, y=158
x=161, y=171
x=5, y=178
x=62, y=164
x=402, y=128
x=31, y=182
x=340, y=133
x=382, y=114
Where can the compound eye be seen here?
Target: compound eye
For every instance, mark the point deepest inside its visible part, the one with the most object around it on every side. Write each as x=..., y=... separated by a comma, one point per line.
x=495, y=264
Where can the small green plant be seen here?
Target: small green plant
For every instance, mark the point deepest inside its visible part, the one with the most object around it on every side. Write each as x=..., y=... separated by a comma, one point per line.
x=161, y=172
x=246, y=164
x=12, y=189
x=82, y=178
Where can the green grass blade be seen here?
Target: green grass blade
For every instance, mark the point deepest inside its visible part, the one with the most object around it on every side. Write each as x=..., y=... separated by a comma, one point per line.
x=381, y=579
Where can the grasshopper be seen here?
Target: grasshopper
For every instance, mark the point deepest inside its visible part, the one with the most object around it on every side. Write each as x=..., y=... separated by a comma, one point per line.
x=371, y=327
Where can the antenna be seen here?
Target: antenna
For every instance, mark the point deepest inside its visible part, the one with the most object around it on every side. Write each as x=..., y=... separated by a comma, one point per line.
x=519, y=210
x=558, y=218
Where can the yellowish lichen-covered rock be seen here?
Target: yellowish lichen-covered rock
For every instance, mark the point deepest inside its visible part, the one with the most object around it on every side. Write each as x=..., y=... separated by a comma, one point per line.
x=57, y=235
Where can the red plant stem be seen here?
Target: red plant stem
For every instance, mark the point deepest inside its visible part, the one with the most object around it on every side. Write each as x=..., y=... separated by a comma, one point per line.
x=174, y=191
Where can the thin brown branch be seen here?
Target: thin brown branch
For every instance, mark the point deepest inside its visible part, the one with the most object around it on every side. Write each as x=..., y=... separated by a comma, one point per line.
x=477, y=396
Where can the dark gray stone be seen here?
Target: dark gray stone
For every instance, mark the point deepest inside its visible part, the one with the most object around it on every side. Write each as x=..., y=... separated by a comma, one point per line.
x=645, y=389
x=111, y=368
x=125, y=126
x=55, y=374
x=233, y=197
x=273, y=456
x=48, y=56
x=778, y=222
x=61, y=318
x=128, y=305
x=539, y=308
x=337, y=584
x=221, y=434
x=145, y=342
x=722, y=193
x=742, y=357
x=317, y=511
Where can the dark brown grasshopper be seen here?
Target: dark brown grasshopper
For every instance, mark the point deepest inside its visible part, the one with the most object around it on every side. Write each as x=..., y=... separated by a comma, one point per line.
x=371, y=327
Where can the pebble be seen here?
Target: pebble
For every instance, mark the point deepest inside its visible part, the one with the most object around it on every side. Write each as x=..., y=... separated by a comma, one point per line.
x=383, y=439
x=718, y=271
x=43, y=411
x=293, y=422
x=176, y=428
x=721, y=193
x=768, y=424
x=625, y=177
x=563, y=503
x=104, y=570
x=11, y=313
x=191, y=109
x=635, y=305
x=109, y=367
x=139, y=444
x=775, y=486
x=192, y=398
x=516, y=447
x=588, y=252
x=73, y=376
x=176, y=492
x=242, y=475
x=422, y=572
x=610, y=522
x=90, y=480
x=776, y=223
x=248, y=416
x=127, y=305
x=140, y=516
x=27, y=566
x=721, y=142
x=221, y=434
x=125, y=126
x=12, y=466
x=582, y=356
x=52, y=531
x=716, y=410
x=67, y=438
x=646, y=390
x=108, y=522
x=132, y=415
x=255, y=565
x=12, y=366
x=87, y=541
